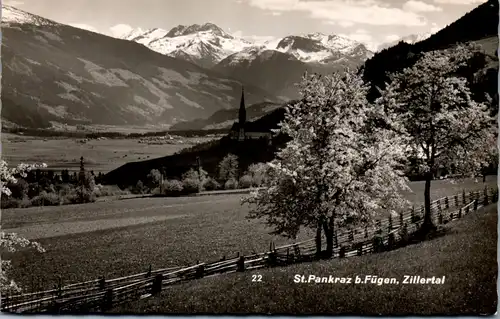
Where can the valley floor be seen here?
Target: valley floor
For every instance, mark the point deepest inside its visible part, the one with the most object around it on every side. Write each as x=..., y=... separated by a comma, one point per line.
x=100, y=155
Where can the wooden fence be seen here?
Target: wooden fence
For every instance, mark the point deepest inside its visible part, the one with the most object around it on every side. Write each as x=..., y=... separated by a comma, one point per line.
x=103, y=294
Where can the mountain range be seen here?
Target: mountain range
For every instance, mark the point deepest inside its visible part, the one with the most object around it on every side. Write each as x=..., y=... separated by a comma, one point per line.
x=483, y=76
x=207, y=45
x=274, y=65
x=55, y=73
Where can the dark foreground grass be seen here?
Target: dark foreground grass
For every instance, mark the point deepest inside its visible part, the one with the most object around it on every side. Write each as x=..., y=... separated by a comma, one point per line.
x=120, y=238
x=466, y=255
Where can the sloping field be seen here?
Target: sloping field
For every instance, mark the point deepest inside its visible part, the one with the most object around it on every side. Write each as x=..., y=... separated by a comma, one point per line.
x=119, y=238
x=465, y=255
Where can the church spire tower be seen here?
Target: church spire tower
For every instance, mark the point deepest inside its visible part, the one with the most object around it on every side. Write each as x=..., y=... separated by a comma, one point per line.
x=242, y=116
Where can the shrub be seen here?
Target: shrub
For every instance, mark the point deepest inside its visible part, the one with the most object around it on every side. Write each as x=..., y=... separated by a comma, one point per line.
x=20, y=189
x=173, y=187
x=231, y=184
x=46, y=199
x=8, y=202
x=139, y=188
x=228, y=167
x=246, y=181
x=109, y=190
x=191, y=185
x=259, y=173
x=211, y=184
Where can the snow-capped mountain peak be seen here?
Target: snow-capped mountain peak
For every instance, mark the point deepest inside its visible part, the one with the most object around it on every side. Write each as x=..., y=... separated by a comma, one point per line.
x=11, y=14
x=320, y=48
x=182, y=30
x=208, y=44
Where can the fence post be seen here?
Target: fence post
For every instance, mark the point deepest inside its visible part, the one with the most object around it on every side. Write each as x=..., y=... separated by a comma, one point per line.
x=342, y=252
x=240, y=264
x=467, y=209
x=59, y=288
x=379, y=226
x=404, y=233
x=401, y=219
x=456, y=200
x=200, y=271
x=446, y=203
x=296, y=250
x=475, y=203
x=412, y=214
x=366, y=231
x=108, y=300
x=463, y=197
x=336, y=240
x=440, y=217
x=157, y=283
x=351, y=235
x=272, y=259
x=148, y=274
x=102, y=283
x=485, y=202
x=390, y=222
x=378, y=244
x=360, y=249
x=391, y=241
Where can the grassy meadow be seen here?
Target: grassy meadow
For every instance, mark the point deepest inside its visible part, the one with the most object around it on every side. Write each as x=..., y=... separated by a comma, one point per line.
x=466, y=255
x=101, y=155
x=123, y=237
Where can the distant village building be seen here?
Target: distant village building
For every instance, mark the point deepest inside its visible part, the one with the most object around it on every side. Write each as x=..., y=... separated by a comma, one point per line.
x=243, y=130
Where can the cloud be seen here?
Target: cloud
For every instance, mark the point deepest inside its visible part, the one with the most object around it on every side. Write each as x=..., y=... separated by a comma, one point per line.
x=120, y=30
x=460, y=2
x=13, y=3
x=361, y=35
x=370, y=12
x=392, y=38
x=435, y=29
x=345, y=24
x=84, y=27
x=420, y=6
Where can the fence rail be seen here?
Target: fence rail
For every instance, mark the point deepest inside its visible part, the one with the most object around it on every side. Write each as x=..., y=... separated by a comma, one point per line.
x=102, y=294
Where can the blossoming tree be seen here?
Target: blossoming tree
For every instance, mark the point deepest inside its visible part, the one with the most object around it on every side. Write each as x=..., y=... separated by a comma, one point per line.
x=9, y=242
x=337, y=170
x=444, y=127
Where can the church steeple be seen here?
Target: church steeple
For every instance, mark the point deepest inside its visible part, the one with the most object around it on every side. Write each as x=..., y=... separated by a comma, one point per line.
x=243, y=112
x=242, y=116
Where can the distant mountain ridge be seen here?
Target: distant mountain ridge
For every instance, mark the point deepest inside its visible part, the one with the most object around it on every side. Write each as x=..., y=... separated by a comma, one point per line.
x=276, y=66
x=55, y=73
x=208, y=44
x=224, y=119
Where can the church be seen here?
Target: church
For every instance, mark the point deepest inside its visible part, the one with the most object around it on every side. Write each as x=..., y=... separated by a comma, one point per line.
x=243, y=130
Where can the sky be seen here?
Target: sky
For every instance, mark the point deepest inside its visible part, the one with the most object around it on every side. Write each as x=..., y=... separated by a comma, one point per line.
x=372, y=22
